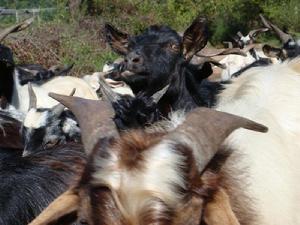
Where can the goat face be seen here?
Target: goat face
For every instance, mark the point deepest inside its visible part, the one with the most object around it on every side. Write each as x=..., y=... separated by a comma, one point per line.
x=155, y=54
x=42, y=129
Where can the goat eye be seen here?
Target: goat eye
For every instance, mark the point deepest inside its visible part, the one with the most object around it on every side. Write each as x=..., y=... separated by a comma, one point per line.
x=173, y=47
x=51, y=143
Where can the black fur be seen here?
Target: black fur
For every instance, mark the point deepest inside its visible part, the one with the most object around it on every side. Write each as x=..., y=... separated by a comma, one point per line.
x=41, y=74
x=6, y=75
x=161, y=65
x=51, y=133
x=135, y=112
x=10, y=136
x=29, y=184
x=259, y=62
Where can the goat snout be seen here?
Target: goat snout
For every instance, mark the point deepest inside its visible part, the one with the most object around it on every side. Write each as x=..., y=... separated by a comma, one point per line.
x=134, y=60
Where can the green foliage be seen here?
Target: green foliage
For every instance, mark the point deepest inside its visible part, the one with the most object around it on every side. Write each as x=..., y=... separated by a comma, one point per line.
x=65, y=37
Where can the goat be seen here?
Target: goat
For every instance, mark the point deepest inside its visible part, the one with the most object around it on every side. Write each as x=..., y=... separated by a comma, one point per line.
x=159, y=57
x=44, y=128
x=290, y=48
x=190, y=175
x=30, y=183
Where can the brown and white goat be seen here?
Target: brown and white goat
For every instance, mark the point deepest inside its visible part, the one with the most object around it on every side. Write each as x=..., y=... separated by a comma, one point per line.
x=152, y=178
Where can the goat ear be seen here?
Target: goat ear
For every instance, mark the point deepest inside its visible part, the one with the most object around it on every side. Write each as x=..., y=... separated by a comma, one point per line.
x=65, y=205
x=273, y=52
x=195, y=37
x=219, y=211
x=117, y=40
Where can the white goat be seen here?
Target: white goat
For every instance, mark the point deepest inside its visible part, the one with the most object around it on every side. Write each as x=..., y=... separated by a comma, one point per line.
x=63, y=85
x=270, y=95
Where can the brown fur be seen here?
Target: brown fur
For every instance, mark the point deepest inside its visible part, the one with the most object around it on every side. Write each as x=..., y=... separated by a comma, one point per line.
x=132, y=145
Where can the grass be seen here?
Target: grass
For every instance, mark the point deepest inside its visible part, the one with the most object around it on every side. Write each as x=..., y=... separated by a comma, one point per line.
x=64, y=38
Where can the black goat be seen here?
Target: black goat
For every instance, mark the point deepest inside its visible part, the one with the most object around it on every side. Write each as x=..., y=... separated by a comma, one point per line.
x=159, y=57
x=28, y=184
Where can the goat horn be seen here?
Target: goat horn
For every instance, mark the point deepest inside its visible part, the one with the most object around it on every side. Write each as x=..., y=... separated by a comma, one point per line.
x=204, y=130
x=255, y=32
x=265, y=22
x=206, y=52
x=57, y=70
x=58, y=109
x=32, y=97
x=66, y=203
x=212, y=61
x=94, y=118
x=239, y=34
x=16, y=28
x=284, y=37
x=107, y=92
x=158, y=95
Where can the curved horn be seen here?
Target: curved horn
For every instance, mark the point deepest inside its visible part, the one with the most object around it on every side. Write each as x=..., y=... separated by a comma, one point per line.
x=158, y=95
x=32, y=97
x=204, y=130
x=64, y=204
x=202, y=60
x=255, y=32
x=58, y=70
x=265, y=22
x=210, y=52
x=58, y=109
x=15, y=28
x=107, y=92
x=284, y=37
x=94, y=118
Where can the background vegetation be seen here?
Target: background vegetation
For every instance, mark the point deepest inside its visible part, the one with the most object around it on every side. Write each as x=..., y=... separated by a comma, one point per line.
x=73, y=32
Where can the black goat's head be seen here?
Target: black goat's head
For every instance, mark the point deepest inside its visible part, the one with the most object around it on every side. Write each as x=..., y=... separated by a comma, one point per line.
x=159, y=50
x=44, y=128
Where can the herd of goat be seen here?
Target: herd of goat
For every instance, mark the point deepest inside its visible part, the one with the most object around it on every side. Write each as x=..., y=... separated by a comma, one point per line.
x=155, y=138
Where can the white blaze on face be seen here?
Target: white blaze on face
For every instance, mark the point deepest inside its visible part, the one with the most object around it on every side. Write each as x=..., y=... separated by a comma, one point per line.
x=35, y=119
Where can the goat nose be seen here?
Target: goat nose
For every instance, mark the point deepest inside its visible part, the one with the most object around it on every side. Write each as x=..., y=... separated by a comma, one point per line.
x=134, y=58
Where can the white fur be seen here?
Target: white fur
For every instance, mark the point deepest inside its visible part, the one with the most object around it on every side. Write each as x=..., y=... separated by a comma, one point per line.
x=35, y=119
x=93, y=80
x=235, y=63
x=270, y=95
x=70, y=126
x=137, y=188
x=60, y=85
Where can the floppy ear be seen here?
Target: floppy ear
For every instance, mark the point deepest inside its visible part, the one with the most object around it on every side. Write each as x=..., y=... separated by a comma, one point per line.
x=219, y=211
x=65, y=205
x=195, y=37
x=117, y=40
x=273, y=52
